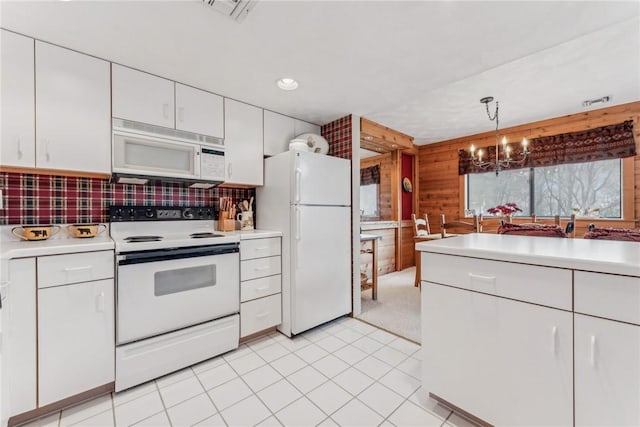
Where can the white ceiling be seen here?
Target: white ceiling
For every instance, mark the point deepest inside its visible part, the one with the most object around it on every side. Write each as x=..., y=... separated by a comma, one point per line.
x=416, y=66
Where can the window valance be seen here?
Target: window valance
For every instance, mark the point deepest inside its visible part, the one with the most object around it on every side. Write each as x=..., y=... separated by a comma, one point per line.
x=606, y=142
x=370, y=175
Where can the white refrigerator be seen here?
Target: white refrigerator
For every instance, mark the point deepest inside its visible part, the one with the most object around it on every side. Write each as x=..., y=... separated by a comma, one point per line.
x=307, y=196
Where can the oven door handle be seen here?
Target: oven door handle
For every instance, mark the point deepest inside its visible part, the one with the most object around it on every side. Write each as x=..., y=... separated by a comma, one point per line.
x=141, y=257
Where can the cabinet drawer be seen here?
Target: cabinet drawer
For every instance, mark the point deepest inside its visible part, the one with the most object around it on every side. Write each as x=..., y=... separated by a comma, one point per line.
x=260, y=267
x=73, y=268
x=607, y=295
x=260, y=314
x=539, y=285
x=259, y=248
x=262, y=287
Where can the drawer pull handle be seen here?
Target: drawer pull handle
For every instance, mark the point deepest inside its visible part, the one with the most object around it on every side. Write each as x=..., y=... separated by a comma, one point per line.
x=554, y=339
x=262, y=248
x=72, y=269
x=483, y=278
x=592, y=353
x=262, y=315
x=100, y=303
x=261, y=268
x=263, y=288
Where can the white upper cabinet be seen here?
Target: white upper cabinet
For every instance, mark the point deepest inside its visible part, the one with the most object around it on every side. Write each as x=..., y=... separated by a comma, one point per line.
x=73, y=104
x=142, y=97
x=145, y=98
x=243, y=144
x=18, y=120
x=199, y=111
x=305, y=127
x=279, y=130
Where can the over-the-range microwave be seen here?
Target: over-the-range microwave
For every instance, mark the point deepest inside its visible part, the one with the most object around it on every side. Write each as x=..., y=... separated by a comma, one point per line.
x=142, y=153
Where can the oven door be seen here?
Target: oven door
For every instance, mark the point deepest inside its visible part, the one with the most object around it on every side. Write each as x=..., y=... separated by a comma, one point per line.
x=164, y=290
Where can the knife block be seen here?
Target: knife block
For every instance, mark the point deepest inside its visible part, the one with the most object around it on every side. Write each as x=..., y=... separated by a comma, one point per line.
x=226, y=224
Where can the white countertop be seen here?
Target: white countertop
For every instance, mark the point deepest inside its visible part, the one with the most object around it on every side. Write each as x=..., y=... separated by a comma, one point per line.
x=580, y=254
x=61, y=243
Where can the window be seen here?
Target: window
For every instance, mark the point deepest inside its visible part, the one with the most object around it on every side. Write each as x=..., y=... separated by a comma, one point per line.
x=369, y=201
x=593, y=188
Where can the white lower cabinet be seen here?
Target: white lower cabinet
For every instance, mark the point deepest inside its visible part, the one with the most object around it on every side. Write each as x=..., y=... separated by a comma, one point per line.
x=260, y=314
x=76, y=343
x=58, y=336
x=504, y=361
x=607, y=370
x=260, y=285
x=19, y=369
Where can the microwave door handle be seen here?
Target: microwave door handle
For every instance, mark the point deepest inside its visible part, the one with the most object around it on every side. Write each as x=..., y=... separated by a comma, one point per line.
x=198, y=161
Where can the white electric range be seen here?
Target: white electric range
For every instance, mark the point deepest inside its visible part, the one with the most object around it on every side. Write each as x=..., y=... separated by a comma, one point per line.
x=177, y=290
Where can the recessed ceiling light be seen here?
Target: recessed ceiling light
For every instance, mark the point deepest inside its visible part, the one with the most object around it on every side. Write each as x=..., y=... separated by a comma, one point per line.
x=286, y=83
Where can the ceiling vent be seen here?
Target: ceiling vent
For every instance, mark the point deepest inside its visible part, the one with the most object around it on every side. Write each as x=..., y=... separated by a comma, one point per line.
x=235, y=9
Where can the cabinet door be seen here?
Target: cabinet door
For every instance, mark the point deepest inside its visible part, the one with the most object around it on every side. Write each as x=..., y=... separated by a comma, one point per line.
x=279, y=130
x=142, y=97
x=19, y=364
x=607, y=363
x=73, y=104
x=305, y=127
x=199, y=111
x=16, y=87
x=504, y=361
x=243, y=143
x=76, y=342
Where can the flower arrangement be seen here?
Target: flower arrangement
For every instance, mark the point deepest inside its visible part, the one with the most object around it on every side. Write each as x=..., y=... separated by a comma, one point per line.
x=505, y=210
x=586, y=212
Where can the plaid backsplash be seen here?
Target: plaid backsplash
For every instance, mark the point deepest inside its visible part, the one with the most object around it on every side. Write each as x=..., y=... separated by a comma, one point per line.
x=338, y=135
x=47, y=199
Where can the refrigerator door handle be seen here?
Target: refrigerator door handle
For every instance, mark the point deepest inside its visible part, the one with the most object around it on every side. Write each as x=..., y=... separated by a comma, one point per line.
x=297, y=236
x=298, y=174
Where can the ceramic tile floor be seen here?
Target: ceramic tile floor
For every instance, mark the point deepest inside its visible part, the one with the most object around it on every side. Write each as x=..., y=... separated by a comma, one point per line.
x=345, y=373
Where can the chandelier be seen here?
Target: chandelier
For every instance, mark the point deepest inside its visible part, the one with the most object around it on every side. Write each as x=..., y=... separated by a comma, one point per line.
x=503, y=157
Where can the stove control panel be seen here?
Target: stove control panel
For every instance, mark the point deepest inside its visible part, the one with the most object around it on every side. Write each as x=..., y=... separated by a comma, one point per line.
x=159, y=213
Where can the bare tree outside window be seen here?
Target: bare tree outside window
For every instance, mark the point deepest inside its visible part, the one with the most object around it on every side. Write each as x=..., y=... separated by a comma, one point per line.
x=592, y=188
x=584, y=188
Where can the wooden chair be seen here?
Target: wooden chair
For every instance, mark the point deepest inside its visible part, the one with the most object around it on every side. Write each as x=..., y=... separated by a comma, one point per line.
x=420, y=226
x=492, y=222
x=421, y=233
x=471, y=227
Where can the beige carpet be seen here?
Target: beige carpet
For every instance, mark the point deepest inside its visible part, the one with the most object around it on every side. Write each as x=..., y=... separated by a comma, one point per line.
x=397, y=308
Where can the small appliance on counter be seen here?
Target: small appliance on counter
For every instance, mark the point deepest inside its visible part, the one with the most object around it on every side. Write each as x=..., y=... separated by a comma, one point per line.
x=35, y=232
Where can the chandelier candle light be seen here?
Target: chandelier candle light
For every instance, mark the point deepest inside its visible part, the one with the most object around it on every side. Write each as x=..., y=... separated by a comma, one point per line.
x=506, y=160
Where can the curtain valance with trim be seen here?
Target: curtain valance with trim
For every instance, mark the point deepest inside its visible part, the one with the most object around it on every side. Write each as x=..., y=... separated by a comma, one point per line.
x=606, y=142
x=370, y=175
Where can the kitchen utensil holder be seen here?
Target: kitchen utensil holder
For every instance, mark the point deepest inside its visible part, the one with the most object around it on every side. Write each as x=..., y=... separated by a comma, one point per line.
x=226, y=224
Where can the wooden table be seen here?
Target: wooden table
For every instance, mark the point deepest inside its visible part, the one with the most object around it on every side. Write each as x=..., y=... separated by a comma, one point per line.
x=373, y=238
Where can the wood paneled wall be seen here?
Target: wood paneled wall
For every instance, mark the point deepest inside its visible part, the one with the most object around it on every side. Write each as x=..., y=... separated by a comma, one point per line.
x=442, y=190
x=385, y=202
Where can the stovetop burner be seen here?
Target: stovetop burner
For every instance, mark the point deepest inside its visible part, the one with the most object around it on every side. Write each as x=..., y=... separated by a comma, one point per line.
x=204, y=235
x=137, y=239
